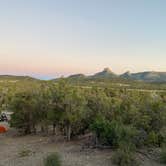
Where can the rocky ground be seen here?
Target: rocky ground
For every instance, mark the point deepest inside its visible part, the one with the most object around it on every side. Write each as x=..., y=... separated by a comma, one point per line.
x=31, y=150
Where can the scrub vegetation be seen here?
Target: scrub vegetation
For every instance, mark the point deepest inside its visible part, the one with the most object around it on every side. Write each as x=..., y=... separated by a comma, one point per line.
x=119, y=118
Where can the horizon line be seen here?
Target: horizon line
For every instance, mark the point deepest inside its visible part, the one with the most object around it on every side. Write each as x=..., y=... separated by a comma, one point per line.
x=47, y=77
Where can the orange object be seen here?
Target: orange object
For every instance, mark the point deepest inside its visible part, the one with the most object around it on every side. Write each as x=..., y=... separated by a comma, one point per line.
x=2, y=129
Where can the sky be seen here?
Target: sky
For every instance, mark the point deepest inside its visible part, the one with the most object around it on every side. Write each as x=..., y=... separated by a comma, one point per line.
x=51, y=38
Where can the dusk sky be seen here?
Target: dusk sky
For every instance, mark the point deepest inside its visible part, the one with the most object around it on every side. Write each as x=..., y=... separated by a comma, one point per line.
x=50, y=38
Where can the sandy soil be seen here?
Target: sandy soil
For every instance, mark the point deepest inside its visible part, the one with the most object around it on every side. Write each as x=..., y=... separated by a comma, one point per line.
x=12, y=149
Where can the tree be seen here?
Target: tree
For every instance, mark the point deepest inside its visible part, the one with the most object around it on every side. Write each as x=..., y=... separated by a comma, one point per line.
x=68, y=108
x=25, y=116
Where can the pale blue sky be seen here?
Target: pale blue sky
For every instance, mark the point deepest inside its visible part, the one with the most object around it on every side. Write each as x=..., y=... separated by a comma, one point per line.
x=49, y=38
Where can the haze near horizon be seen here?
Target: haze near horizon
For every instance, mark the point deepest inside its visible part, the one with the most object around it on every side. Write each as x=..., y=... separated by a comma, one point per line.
x=47, y=39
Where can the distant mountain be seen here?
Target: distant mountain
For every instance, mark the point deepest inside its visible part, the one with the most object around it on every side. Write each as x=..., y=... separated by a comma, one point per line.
x=150, y=76
x=106, y=73
x=126, y=75
x=77, y=76
x=16, y=78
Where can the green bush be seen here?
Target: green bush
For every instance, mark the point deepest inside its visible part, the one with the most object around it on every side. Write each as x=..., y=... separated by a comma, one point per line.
x=52, y=160
x=24, y=153
x=163, y=155
x=152, y=139
x=125, y=156
x=112, y=133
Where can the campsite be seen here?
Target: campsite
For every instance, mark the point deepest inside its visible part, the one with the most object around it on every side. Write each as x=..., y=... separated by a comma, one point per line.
x=82, y=82
x=84, y=126
x=32, y=149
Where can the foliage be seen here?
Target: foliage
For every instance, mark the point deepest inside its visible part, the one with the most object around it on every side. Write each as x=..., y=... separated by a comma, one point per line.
x=52, y=160
x=112, y=133
x=125, y=156
x=24, y=153
x=163, y=155
x=113, y=114
x=24, y=106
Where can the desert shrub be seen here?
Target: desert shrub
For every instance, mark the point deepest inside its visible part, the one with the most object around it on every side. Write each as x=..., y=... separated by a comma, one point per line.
x=24, y=153
x=52, y=160
x=163, y=155
x=102, y=128
x=162, y=136
x=107, y=132
x=152, y=139
x=112, y=133
x=125, y=156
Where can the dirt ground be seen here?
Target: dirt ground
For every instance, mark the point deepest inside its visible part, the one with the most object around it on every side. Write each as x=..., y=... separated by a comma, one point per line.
x=31, y=150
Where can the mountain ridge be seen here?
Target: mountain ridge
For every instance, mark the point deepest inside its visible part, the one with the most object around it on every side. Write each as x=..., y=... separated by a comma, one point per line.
x=105, y=74
x=147, y=76
x=16, y=78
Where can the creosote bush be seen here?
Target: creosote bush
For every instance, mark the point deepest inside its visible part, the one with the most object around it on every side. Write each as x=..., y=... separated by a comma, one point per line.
x=163, y=155
x=125, y=156
x=52, y=160
x=25, y=153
